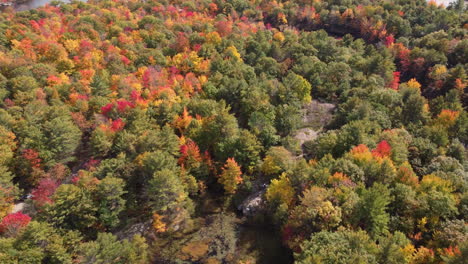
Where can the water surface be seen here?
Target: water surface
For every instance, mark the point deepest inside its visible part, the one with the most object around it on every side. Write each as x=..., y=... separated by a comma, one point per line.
x=38, y=3
x=32, y=4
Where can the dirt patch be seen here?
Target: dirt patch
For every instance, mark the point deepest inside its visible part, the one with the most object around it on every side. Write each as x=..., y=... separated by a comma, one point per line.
x=194, y=250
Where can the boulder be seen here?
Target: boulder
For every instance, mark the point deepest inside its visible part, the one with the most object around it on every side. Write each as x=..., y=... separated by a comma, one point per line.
x=253, y=203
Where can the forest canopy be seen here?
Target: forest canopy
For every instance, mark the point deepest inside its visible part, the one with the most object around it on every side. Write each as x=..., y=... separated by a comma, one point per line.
x=170, y=131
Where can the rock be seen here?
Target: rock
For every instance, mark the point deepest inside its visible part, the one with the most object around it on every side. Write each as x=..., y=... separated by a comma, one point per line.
x=317, y=115
x=305, y=134
x=18, y=207
x=252, y=204
x=135, y=229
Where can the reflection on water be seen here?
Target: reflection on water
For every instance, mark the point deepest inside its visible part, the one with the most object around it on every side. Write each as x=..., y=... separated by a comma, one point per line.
x=37, y=3
x=31, y=4
x=34, y=4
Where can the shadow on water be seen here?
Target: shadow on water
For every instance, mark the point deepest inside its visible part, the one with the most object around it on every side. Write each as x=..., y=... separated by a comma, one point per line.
x=264, y=244
x=256, y=241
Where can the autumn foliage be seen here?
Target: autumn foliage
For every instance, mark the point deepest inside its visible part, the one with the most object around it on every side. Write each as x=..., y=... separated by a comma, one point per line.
x=230, y=176
x=382, y=150
x=14, y=223
x=32, y=157
x=190, y=155
x=117, y=114
x=183, y=121
x=42, y=193
x=395, y=82
x=447, y=117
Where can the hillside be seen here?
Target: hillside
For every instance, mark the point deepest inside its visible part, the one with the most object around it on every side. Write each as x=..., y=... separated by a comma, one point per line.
x=234, y=131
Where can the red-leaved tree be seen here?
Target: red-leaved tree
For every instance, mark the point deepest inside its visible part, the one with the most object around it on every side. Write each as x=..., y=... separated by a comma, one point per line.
x=382, y=150
x=395, y=82
x=33, y=157
x=42, y=193
x=13, y=223
x=190, y=155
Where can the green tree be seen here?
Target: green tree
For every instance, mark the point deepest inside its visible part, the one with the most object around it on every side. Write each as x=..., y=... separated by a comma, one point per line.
x=40, y=243
x=158, y=160
x=167, y=195
x=296, y=88
x=109, y=196
x=315, y=212
x=101, y=142
x=276, y=161
x=438, y=202
x=263, y=125
x=23, y=88
x=413, y=111
x=215, y=133
x=73, y=208
x=107, y=249
x=371, y=211
x=63, y=137
x=341, y=247
x=8, y=191
x=324, y=144
x=391, y=249
x=402, y=208
x=355, y=133
x=245, y=149
x=288, y=118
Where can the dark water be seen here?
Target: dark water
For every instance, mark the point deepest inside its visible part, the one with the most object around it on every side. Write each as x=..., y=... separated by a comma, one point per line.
x=264, y=243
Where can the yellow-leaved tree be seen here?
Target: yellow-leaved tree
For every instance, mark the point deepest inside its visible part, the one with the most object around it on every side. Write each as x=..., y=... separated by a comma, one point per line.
x=280, y=191
x=413, y=84
x=230, y=178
